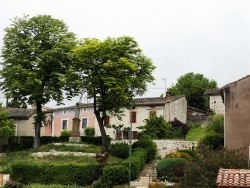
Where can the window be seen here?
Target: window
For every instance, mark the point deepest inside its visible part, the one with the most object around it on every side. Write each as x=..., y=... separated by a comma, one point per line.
x=64, y=124
x=133, y=117
x=84, y=123
x=64, y=112
x=15, y=128
x=152, y=113
x=106, y=121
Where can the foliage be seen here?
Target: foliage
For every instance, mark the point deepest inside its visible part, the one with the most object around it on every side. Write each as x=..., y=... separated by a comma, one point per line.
x=194, y=124
x=156, y=127
x=111, y=71
x=97, y=140
x=120, y=150
x=195, y=134
x=35, y=62
x=216, y=124
x=66, y=133
x=157, y=185
x=89, y=131
x=45, y=173
x=13, y=184
x=6, y=124
x=179, y=154
x=35, y=185
x=193, y=86
x=171, y=169
x=15, y=103
x=147, y=144
x=203, y=170
x=189, y=152
x=181, y=127
x=213, y=140
x=20, y=143
x=115, y=175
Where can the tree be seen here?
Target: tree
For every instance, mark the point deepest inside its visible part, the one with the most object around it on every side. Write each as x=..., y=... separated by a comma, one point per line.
x=193, y=86
x=111, y=71
x=35, y=54
x=6, y=124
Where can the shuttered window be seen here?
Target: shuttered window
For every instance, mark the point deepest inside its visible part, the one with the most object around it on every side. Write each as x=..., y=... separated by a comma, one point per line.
x=106, y=121
x=152, y=113
x=133, y=117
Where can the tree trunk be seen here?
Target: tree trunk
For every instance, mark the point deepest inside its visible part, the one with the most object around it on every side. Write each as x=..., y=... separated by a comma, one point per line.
x=38, y=124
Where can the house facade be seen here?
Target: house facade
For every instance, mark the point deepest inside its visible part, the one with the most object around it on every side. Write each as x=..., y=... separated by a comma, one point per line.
x=215, y=101
x=170, y=107
x=236, y=97
x=62, y=118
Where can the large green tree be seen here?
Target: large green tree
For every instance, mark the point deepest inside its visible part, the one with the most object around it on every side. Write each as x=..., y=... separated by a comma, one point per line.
x=193, y=86
x=111, y=71
x=6, y=124
x=35, y=55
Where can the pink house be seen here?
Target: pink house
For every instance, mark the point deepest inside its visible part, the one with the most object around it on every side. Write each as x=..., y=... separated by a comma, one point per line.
x=62, y=118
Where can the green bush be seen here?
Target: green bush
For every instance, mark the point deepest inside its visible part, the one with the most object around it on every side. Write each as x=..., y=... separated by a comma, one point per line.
x=89, y=132
x=20, y=143
x=97, y=140
x=179, y=154
x=171, y=169
x=203, y=170
x=213, y=140
x=147, y=144
x=65, y=174
x=189, y=152
x=120, y=150
x=216, y=124
x=66, y=133
x=13, y=184
x=115, y=175
x=194, y=124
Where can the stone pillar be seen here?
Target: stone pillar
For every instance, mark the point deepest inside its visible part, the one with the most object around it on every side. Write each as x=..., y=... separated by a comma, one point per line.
x=75, y=134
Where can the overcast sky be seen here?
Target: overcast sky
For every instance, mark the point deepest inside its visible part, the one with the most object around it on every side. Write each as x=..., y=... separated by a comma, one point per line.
x=210, y=37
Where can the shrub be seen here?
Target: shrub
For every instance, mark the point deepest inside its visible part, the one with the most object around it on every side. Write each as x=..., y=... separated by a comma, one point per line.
x=65, y=174
x=203, y=170
x=194, y=124
x=120, y=150
x=213, y=140
x=171, y=169
x=20, y=143
x=115, y=175
x=179, y=154
x=13, y=184
x=97, y=140
x=66, y=133
x=180, y=127
x=147, y=144
x=216, y=124
x=189, y=152
x=89, y=132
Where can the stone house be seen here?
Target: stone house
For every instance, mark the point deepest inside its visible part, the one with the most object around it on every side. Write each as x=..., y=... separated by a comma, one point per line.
x=236, y=97
x=170, y=107
x=215, y=101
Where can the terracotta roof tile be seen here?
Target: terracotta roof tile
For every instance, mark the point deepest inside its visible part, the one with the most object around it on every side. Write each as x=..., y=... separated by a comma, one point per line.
x=155, y=100
x=233, y=178
x=20, y=112
x=212, y=92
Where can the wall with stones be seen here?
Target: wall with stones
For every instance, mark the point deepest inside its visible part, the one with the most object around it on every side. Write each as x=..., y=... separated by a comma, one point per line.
x=216, y=104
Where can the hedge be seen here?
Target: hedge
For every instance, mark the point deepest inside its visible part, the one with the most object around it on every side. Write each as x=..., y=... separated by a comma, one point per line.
x=94, y=140
x=65, y=174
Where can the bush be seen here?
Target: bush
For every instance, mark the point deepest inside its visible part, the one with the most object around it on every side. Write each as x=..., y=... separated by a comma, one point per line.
x=203, y=170
x=189, y=152
x=89, y=132
x=180, y=127
x=179, y=154
x=213, y=140
x=171, y=169
x=216, y=124
x=65, y=174
x=147, y=144
x=97, y=140
x=13, y=184
x=66, y=133
x=120, y=150
x=194, y=124
x=20, y=143
x=115, y=175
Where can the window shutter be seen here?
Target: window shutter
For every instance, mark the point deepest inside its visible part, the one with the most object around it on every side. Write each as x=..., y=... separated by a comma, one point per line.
x=133, y=117
x=106, y=121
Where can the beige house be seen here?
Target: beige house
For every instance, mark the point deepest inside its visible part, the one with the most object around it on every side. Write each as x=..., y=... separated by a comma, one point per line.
x=170, y=107
x=236, y=97
x=215, y=100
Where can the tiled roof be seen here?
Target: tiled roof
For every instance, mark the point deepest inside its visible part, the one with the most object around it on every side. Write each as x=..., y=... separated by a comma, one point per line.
x=155, y=100
x=82, y=105
x=212, y=92
x=20, y=112
x=233, y=178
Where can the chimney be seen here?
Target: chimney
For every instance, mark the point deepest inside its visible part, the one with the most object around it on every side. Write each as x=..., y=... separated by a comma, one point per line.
x=168, y=96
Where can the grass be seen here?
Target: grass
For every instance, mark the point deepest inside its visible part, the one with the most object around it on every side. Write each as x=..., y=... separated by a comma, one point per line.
x=195, y=134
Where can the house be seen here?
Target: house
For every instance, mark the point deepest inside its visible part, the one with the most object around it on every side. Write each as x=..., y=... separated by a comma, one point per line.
x=215, y=100
x=194, y=114
x=62, y=118
x=233, y=178
x=236, y=97
x=170, y=107
x=24, y=121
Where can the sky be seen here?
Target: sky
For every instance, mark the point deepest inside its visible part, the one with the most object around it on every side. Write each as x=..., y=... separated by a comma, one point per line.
x=209, y=37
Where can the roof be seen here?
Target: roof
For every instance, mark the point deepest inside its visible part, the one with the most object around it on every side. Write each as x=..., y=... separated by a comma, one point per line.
x=82, y=105
x=212, y=92
x=229, y=84
x=155, y=100
x=20, y=112
x=233, y=178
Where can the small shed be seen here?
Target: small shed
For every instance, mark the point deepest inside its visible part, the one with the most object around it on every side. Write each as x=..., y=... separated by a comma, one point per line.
x=233, y=178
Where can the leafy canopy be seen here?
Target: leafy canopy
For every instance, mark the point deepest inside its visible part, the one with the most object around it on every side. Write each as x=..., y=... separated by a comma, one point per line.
x=6, y=124
x=35, y=59
x=193, y=86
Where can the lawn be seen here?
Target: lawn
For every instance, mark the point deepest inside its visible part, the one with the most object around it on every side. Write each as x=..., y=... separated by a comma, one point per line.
x=195, y=134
